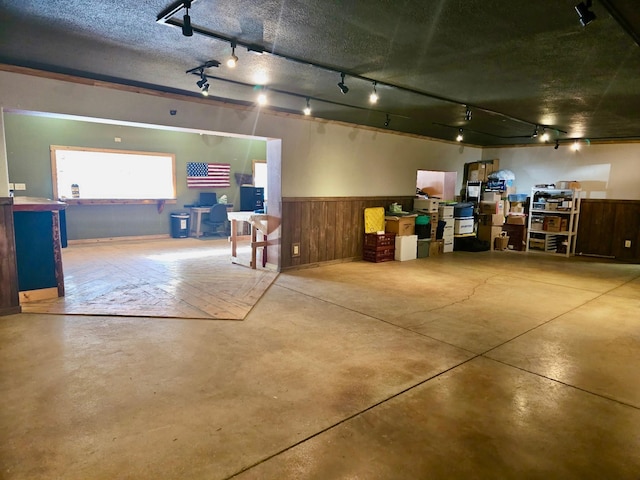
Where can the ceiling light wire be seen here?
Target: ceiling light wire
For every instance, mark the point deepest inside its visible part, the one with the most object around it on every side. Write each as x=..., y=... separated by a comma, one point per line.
x=460, y=136
x=307, y=109
x=387, y=120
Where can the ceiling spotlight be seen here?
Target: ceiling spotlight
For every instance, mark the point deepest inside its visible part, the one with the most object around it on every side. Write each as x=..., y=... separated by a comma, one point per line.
x=203, y=84
x=373, y=98
x=468, y=115
x=460, y=137
x=586, y=15
x=307, y=109
x=232, y=61
x=262, y=98
x=557, y=145
x=387, y=121
x=343, y=88
x=545, y=136
x=576, y=146
x=187, y=30
x=535, y=132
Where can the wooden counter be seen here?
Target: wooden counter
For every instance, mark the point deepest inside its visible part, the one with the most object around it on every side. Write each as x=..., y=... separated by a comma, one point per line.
x=38, y=250
x=9, y=299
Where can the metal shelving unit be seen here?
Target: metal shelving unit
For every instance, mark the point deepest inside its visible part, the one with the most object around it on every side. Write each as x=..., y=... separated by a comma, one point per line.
x=564, y=205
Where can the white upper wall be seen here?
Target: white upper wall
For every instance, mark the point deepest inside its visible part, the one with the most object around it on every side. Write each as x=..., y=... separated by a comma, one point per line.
x=605, y=170
x=318, y=158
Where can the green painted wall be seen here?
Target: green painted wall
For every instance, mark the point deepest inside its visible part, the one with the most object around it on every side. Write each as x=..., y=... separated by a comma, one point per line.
x=29, y=137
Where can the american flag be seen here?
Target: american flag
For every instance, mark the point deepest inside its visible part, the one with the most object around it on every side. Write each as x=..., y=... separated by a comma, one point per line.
x=203, y=175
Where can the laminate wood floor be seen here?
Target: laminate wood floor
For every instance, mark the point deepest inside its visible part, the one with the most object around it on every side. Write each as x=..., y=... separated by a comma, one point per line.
x=183, y=278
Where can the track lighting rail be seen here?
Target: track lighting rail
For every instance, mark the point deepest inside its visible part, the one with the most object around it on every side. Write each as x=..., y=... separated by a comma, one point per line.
x=166, y=17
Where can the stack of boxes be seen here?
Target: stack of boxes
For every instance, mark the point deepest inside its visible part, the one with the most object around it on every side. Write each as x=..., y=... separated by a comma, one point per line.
x=405, y=239
x=463, y=219
x=491, y=217
x=428, y=246
x=445, y=213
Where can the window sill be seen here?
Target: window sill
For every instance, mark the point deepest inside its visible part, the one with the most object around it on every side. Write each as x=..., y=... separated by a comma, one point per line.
x=114, y=201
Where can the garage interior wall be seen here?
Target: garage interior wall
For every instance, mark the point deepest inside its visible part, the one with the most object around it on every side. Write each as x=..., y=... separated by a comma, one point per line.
x=29, y=137
x=328, y=160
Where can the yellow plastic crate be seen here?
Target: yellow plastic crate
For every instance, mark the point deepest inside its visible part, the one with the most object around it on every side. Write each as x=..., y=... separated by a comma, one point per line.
x=374, y=219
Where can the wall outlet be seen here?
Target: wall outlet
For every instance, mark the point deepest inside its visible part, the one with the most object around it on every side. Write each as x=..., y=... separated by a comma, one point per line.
x=295, y=250
x=627, y=244
x=117, y=139
x=20, y=186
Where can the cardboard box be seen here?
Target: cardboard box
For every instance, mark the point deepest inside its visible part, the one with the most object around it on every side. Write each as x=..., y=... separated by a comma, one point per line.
x=406, y=247
x=445, y=211
x=488, y=233
x=436, y=248
x=400, y=225
x=564, y=225
x=447, y=246
x=491, y=197
x=552, y=223
x=448, y=232
x=517, y=219
x=501, y=242
x=429, y=205
x=492, y=207
x=463, y=226
x=491, y=219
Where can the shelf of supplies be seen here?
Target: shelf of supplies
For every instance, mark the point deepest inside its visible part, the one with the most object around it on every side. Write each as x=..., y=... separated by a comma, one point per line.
x=547, y=232
x=561, y=212
x=546, y=240
x=461, y=235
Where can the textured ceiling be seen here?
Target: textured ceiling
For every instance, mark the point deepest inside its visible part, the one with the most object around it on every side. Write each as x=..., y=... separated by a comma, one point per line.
x=516, y=64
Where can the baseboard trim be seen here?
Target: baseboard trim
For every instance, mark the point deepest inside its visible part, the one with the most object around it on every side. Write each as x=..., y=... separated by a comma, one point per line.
x=84, y=241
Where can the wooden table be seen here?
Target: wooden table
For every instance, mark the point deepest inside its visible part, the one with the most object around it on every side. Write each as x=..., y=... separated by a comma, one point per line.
x=258, y=222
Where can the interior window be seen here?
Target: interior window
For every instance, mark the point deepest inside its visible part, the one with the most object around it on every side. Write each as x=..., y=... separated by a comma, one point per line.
x=98, y=174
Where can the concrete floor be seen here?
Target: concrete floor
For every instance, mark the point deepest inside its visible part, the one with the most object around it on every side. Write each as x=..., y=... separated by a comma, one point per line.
x=493, y=365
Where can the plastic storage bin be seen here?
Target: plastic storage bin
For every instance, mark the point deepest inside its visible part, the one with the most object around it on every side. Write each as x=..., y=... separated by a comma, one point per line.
x=180, y=225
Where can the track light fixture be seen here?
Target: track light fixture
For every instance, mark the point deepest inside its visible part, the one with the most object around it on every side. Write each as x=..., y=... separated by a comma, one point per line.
x=232, y=61
x=459, y=137
x=586, y=15
x=373, y=98
x=468, y=114
x=187, y=30
x=557, y=145
x=203, y=83
x=307, y=109
x=535, y=132
x=343, y=88
x=387, y=121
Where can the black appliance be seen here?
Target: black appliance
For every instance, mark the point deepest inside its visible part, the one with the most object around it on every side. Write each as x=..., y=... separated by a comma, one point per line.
x=251, y=198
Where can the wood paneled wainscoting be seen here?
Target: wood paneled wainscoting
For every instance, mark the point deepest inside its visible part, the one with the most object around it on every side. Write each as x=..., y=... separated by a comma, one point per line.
x=9, y=298
x=605, y=226
x=327, y=229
